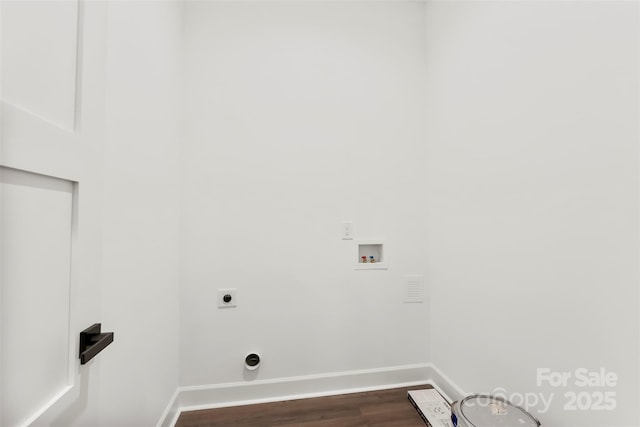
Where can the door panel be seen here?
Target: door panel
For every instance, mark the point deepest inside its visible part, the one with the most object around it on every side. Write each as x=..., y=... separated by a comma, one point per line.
x=36, y=214
x=39, y=58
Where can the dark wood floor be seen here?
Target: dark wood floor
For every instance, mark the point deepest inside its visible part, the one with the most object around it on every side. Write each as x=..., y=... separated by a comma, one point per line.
x=386, y=408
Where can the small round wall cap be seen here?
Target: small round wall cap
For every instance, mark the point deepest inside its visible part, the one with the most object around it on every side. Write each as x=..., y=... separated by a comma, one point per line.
x=252, y=361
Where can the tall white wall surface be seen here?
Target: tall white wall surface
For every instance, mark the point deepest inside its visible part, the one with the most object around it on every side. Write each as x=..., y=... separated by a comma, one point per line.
x=532, y=164
x=299, y=116
x=141, y=212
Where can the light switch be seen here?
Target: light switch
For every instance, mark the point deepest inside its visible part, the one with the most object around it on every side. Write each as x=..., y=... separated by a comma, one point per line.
x=347, y=230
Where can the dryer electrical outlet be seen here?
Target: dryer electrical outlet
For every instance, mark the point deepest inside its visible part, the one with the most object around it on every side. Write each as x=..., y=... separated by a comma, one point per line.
x=227, y=297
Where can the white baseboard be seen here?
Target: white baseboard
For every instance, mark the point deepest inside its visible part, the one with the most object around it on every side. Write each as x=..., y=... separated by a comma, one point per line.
x=171, y=413
x=302, y=387
x=450, y=390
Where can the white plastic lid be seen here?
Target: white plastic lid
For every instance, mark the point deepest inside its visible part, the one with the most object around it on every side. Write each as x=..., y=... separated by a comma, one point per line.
x=488, y=411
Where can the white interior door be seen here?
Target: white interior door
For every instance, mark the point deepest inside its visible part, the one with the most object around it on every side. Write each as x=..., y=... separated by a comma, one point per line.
x=53, y=55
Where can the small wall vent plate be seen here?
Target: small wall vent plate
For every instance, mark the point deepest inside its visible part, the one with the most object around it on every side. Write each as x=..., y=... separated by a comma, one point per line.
x=371, y=255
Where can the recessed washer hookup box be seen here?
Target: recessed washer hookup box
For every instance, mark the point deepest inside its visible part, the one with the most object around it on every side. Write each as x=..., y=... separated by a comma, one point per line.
x=432, y=407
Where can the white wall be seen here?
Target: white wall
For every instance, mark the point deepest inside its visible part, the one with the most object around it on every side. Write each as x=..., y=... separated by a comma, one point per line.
x=299, y=116
x=141, y=212
x=532, y=178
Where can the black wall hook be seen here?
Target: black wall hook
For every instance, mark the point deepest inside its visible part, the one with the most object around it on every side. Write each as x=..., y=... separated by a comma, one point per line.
x=93, y=342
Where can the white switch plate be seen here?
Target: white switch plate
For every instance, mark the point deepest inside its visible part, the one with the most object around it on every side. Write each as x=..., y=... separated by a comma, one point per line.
x=347, y=230
x=233, y=293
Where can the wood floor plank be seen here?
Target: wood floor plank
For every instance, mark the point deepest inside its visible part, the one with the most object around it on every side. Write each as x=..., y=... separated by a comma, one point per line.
x=383, y=408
